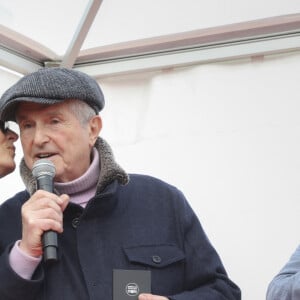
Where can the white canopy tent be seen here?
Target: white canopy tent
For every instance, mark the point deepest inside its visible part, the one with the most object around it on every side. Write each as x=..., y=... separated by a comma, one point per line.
x=120, y=37
x=201, y=94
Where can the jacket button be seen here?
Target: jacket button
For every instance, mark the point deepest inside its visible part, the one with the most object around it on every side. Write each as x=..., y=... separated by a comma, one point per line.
x=156, y=259
x=75, y=222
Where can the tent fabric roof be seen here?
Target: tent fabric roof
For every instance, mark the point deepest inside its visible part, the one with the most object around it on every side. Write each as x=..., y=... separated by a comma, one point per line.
x=80, y=34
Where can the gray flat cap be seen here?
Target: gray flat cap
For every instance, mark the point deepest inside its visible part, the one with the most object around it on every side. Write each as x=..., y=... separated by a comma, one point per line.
x=49, y=86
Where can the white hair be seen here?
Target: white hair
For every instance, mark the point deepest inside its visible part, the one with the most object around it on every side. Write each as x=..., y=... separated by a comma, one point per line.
x=82, y=111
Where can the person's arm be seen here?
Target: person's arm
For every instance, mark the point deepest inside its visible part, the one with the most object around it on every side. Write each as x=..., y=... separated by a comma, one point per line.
x=13, y=286
x=23, y=264
x=204, y=276
x=42, y=212
x=286, y=284
x=151, y=297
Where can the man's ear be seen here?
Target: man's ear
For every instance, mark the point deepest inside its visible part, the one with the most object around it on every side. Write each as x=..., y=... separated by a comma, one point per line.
x=95, y=126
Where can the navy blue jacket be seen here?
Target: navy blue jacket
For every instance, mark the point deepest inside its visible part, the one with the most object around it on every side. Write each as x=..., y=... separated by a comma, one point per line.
x=124, y=227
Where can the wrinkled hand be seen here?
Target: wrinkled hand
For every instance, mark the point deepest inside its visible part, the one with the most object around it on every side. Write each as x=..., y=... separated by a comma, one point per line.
x=42, y=212
x=151, y=297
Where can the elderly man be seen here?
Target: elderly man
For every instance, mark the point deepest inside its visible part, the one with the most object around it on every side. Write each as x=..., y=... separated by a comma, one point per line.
x=106, y=220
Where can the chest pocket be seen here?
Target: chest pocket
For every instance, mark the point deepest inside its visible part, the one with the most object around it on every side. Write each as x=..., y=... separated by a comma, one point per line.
x=155, y=256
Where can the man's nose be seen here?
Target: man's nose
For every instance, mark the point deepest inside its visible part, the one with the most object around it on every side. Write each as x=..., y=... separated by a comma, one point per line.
x=40, y=136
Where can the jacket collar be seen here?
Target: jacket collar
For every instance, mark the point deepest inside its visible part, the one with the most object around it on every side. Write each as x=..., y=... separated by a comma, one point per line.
x=109, y=169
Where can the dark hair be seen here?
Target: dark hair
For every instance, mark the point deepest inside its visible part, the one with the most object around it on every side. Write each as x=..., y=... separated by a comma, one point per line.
x=4, y=126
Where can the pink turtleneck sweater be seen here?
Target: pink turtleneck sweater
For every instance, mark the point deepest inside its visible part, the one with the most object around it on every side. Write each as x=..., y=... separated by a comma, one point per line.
x=80, y=191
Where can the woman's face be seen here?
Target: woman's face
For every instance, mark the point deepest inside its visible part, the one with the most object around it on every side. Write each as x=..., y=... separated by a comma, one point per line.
x=7, y=150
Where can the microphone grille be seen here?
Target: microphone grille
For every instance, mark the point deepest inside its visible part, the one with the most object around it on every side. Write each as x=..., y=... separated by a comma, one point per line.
x=43, y=167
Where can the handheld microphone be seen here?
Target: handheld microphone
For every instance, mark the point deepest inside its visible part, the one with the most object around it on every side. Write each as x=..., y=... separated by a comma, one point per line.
x=44, y=171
